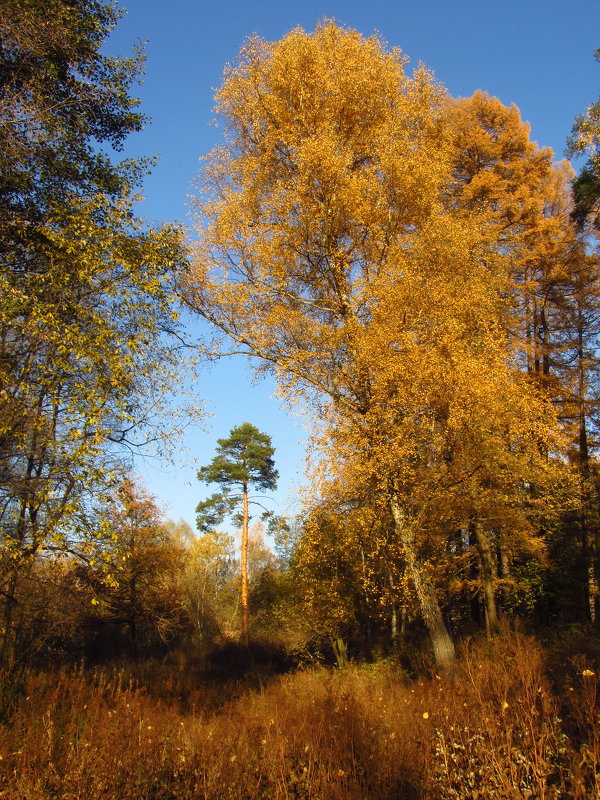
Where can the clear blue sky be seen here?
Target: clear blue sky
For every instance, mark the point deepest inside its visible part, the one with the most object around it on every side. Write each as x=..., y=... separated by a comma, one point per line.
x=537, y=54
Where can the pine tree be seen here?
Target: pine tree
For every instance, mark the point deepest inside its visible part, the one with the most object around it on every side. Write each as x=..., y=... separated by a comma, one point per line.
x=243, y=461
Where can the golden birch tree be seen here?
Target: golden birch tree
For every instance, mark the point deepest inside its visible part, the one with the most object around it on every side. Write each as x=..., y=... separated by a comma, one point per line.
x=334, y=160
x=330, y=253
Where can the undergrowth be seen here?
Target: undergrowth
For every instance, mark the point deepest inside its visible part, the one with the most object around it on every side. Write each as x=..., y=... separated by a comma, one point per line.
x=497, y=728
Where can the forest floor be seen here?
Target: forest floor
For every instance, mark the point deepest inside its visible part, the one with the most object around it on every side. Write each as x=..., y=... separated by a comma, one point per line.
x=514, y=721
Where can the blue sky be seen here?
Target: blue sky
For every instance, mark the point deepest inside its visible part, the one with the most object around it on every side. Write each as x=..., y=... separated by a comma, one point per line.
x=537, y=54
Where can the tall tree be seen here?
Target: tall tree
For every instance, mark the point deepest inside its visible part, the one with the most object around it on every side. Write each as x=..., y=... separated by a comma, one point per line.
x=334, y=167
x=331, y=252
x=243, y=461
x=61, y=102
x=85, y=287
x=525, y=200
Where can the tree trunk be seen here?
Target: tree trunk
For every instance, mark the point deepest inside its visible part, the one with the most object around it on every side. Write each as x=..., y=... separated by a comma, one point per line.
x=394, y=616
x=588, y=550
x=443, y=647
x=133, y=636
x=394, y=625
x=340, y=651
x=505, y=569
x=244, y=567
x=8, y=646
x=487, y=577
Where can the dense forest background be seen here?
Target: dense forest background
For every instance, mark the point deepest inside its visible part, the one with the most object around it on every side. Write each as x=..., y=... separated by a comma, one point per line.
x=422, y=281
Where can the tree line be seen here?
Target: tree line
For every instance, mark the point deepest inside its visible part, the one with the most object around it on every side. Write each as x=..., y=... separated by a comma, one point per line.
x=414, y=271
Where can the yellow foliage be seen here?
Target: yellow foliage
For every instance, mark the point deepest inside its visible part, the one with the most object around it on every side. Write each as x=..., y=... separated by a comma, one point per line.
x=353, y=244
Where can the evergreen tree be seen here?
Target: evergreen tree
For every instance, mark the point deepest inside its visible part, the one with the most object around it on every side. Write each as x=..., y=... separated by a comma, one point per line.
x=242, y=461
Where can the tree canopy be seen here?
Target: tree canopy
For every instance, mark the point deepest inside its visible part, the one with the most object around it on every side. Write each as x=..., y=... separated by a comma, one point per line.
x=410, y=267
x=86, y=288
x=348, y=245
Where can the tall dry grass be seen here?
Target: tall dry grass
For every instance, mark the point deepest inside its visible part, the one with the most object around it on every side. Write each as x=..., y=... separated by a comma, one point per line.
x=495, y=729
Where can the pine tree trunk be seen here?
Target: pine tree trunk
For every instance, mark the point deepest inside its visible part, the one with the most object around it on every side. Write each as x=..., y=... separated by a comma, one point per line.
x=443, y=647
x=244, y=567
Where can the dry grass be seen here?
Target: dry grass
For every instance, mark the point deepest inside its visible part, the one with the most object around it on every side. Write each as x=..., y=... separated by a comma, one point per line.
x=494, y=730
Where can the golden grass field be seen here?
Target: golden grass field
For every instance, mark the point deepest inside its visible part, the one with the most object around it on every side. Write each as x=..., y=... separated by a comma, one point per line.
x=497, y=728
